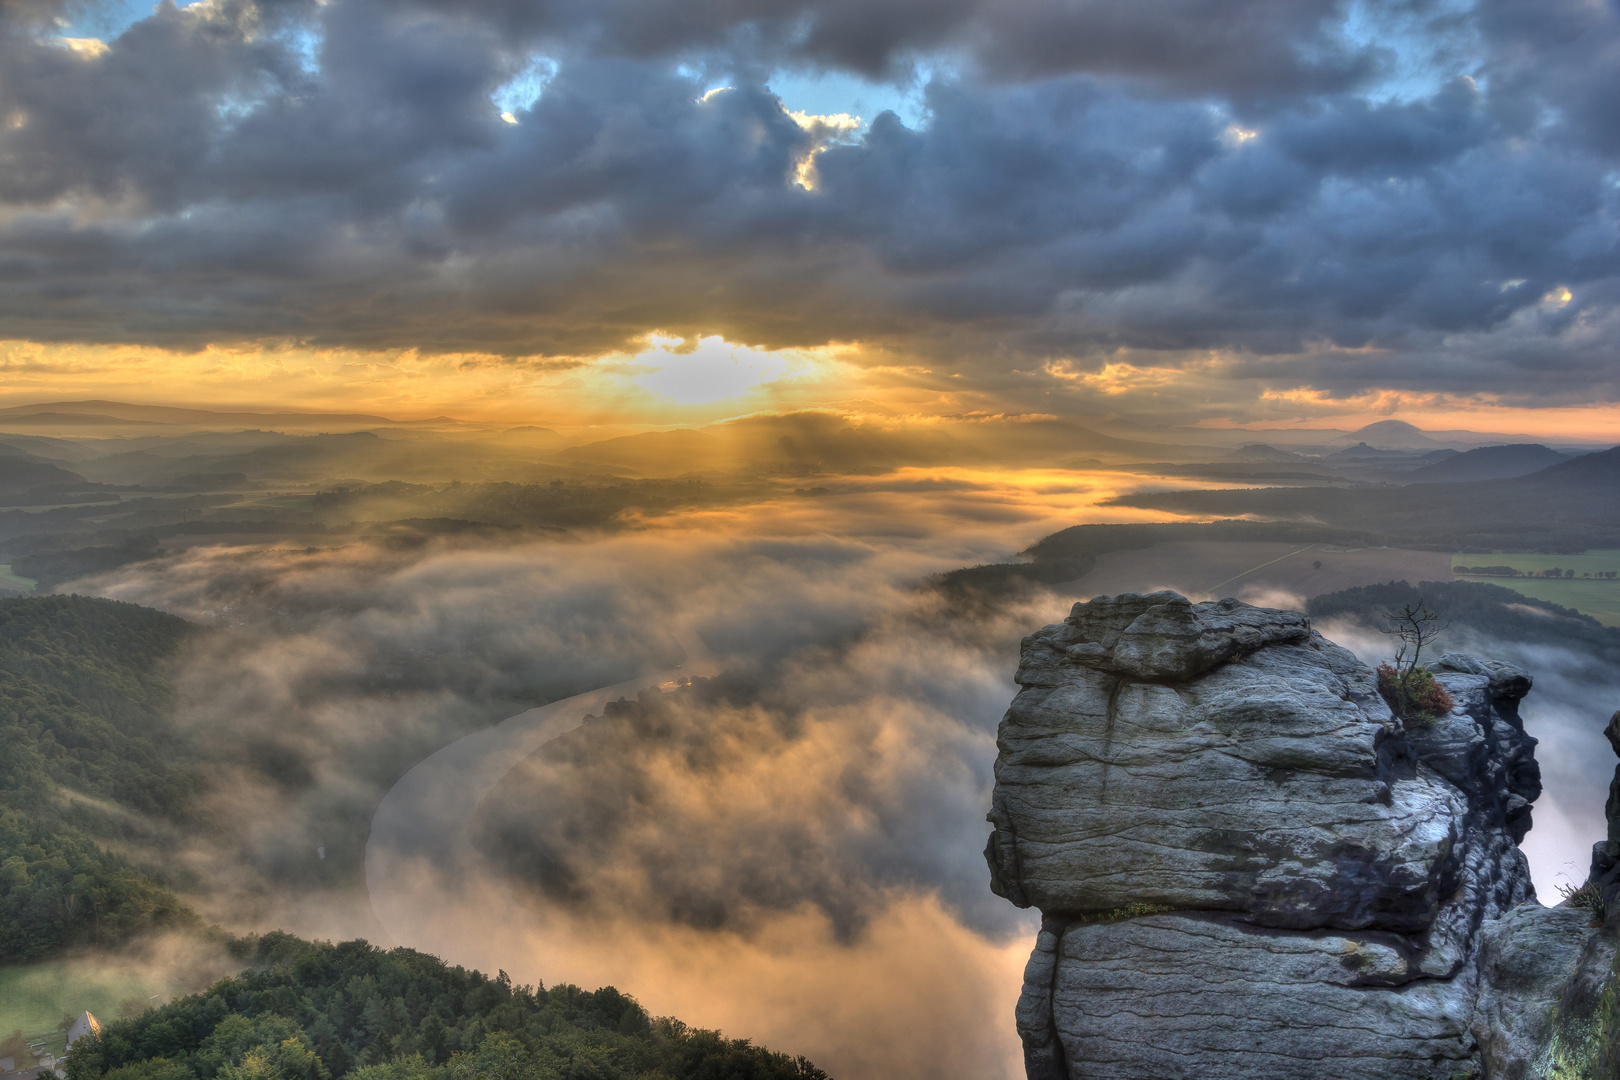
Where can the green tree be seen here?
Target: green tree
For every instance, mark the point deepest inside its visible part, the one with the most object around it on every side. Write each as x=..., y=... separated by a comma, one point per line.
x=401, y=1015
x=157, y=1068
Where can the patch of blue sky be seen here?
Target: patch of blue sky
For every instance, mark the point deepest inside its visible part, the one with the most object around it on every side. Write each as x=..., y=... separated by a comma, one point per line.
x=305, y=42
x=1424, y=45
x=106, y=19
x=233, y=108
x=831, y=92
x=526, y=88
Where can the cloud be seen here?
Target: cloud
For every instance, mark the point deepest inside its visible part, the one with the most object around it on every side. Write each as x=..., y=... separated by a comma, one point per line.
x=1250, y=46
x=340, y=175
x=828, y=779
x=796, y=860
x=790, y=852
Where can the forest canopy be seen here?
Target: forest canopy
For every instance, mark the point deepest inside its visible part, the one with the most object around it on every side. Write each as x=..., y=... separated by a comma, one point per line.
x=317, y=1011
x=89, y=747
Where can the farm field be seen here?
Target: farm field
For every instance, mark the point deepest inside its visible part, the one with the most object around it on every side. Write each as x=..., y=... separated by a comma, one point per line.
x=8, y=580
x=35, y=997
x=1597, y=597
x=1270, y=574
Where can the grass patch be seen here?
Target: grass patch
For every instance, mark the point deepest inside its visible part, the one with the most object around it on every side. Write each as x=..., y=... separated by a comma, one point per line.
x=15, y=579
x=35, y=997
x=1594, y=596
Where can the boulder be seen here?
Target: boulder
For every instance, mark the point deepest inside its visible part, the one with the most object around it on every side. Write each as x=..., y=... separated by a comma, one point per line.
x=1249, y=868
x=1539, y=967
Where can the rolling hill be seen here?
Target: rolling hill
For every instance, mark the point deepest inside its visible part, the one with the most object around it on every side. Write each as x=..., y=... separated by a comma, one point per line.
x=85, y=413
x=1489, y=463
x=1571, y=506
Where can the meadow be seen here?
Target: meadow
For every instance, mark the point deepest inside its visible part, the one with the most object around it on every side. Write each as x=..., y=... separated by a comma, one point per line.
x=34, y=998
x=1591, y=595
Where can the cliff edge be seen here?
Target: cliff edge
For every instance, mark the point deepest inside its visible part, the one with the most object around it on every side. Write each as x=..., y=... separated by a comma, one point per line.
x=1248, y=868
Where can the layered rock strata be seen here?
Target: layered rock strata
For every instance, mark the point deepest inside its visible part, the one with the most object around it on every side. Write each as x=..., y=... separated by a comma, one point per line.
x=1605, y=875
x=1246, y=867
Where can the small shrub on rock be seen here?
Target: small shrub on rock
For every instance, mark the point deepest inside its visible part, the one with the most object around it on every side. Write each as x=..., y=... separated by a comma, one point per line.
x=1587, y=898
x=1415, y=696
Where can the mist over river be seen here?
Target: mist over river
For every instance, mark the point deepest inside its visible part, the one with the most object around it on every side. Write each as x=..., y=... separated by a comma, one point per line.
x=789, y=851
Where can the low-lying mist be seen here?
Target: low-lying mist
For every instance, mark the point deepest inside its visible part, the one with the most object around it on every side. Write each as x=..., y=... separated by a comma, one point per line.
x=792, y=856
x=788, y=851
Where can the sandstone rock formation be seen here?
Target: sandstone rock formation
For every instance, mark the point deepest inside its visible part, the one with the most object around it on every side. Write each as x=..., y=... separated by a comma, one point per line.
x=1605, y=875
x=1247, y=868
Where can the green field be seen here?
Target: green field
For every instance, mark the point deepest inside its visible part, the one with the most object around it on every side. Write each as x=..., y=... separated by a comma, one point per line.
x=35, y=997
x=1597, y=597
x=7, y=575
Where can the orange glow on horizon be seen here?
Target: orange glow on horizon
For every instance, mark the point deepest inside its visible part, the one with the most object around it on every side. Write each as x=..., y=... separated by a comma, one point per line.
x=671, y=382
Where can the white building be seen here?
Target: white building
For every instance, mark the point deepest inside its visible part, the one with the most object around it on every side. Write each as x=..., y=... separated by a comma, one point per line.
x=84, y=1025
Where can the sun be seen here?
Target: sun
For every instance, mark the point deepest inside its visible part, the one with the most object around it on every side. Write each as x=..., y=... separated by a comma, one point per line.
x=711, y=370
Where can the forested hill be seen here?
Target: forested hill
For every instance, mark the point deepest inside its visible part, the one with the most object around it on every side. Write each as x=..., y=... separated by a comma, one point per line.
x=1479, y=607
x=88, y=747
x=315, y=1011
x=86, y=704
x=1571, y=506
x=88, y=751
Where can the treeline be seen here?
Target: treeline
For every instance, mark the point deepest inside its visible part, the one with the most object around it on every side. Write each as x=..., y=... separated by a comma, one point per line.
x=316, y=1011
x=86, y=747
x=1475, y=605
x=1549, y=572
x=84, y=705
x=1073, y=552
x=59, y=890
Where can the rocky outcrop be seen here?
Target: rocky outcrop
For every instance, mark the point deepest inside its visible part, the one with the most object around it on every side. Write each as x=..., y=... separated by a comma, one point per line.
x=1247, y=868
x=1605, y=876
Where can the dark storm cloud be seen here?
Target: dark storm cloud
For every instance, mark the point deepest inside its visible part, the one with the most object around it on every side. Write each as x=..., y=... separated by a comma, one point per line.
x=1248, y=47
x=1165, y=177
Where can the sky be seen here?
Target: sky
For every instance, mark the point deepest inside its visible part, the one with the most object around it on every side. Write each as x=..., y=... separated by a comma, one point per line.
x=616, y=215
x=1171, y=211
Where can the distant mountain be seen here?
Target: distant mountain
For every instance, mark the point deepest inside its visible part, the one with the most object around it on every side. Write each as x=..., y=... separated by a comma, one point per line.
x=67, y=419
x=21, y=471
x=1391, y=435
x=1488, y=463
x=817, y=441
x=529, y=435
x=1570, y=506
x=1587, y=473
x=1261, y=452
x=86, y=413
x=1384, y=435
x=656, y=452
x=59, y=451
x=1362, y=453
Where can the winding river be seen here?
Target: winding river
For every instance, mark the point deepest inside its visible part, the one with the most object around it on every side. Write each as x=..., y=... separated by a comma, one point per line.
x=421, y=844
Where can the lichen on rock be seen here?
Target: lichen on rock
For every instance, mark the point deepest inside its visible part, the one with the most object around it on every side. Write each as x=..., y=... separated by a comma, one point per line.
x=1325, y=882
